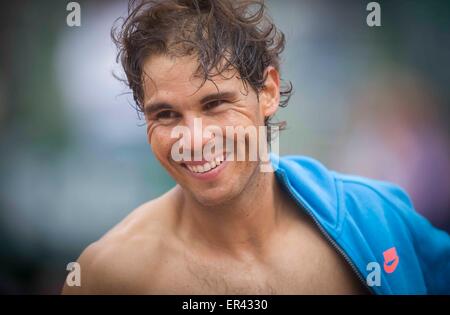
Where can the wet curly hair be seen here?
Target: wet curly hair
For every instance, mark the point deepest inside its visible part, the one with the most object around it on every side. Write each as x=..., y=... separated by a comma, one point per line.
x=222, y=34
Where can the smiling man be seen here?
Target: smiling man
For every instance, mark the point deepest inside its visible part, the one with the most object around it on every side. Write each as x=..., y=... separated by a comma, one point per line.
x=228, y=227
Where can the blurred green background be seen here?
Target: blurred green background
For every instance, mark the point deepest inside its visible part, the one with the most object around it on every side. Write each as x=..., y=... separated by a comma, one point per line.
x=74, y=158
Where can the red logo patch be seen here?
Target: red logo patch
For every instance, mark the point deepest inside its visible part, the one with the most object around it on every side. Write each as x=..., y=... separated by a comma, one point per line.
x=391, y=260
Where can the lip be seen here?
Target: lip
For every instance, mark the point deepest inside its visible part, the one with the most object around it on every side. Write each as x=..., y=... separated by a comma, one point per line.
x=209, y=175
x=202, y=161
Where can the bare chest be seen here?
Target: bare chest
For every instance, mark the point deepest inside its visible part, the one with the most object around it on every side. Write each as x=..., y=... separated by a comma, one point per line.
x=309, y=267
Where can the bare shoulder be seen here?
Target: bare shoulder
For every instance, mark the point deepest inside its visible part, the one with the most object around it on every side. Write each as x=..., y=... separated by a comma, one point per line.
x=127, y=258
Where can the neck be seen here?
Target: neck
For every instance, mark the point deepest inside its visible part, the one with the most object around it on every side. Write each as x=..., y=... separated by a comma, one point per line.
x=242, y=224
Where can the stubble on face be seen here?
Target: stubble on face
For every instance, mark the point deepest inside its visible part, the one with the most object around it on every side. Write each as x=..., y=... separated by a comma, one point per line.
x=171, y=81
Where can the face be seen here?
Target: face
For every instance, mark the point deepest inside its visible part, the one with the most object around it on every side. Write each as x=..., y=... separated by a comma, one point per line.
x=174, y=98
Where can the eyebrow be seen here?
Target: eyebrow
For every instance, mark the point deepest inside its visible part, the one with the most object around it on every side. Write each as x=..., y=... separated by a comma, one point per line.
x=157, y=106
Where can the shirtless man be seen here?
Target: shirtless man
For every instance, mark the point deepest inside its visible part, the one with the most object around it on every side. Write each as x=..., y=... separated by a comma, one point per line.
x=231, y=229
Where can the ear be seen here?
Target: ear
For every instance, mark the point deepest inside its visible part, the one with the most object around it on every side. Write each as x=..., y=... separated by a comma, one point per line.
x=269, y=97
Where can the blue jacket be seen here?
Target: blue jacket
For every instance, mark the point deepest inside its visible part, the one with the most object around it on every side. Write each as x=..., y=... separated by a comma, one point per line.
x=364, y=218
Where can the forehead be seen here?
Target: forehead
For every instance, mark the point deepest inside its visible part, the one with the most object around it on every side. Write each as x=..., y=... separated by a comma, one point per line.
x=165, y=76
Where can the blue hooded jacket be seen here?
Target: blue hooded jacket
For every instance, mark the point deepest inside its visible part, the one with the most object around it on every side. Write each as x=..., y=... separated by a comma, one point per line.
x=364, y=218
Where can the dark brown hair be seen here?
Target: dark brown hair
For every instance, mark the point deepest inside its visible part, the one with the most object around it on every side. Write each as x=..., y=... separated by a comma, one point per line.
x=222, y=34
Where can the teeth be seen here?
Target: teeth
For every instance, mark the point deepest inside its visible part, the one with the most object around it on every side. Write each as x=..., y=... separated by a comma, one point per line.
x=207, y=166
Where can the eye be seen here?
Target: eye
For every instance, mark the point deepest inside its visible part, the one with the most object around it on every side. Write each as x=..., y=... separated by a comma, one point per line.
x=166, y=115
x=213, y=104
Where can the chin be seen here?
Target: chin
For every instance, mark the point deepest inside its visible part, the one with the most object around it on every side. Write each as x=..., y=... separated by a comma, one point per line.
x=224, y=187
x=214, y=196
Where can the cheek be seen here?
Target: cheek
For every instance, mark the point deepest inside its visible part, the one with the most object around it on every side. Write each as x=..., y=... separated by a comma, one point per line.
x=160, y=142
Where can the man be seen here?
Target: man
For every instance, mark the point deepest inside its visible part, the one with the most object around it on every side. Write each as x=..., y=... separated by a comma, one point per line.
x=228, y=227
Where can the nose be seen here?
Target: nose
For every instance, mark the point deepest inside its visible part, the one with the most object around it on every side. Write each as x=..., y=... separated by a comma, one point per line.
x=197, y=137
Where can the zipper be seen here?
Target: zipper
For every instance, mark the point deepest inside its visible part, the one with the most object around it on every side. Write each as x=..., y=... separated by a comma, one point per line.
x=324, y=233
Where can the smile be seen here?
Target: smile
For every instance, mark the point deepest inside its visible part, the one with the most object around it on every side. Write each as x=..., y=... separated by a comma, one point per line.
x=207, y=166
x=201, y=169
